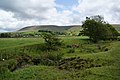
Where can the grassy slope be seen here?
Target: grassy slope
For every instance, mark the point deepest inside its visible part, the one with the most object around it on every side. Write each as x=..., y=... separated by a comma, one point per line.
x=111, y=72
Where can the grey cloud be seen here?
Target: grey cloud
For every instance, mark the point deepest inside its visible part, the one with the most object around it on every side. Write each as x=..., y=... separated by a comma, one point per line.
x=25, y=9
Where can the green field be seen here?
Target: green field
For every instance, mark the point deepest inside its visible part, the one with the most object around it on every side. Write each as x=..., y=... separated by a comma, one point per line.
x=100, y=61
x=13, y=42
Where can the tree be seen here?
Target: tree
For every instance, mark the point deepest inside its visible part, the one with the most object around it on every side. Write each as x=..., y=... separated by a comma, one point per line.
x=51, y=41
x=97, y=29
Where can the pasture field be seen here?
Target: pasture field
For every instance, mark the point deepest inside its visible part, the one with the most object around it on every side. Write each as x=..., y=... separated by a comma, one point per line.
x=78, y=59
x=13, y=42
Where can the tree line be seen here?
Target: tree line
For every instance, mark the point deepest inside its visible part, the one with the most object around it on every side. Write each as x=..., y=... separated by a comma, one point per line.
x=15, y=35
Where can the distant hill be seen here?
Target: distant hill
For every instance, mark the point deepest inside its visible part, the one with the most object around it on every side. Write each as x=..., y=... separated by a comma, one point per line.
x=48, y=27
x=117, y=27
x=55, y=28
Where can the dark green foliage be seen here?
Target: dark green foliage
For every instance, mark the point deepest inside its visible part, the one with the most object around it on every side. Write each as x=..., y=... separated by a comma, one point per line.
x=97, y=29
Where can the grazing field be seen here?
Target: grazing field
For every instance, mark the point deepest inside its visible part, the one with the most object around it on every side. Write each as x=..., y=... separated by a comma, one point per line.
x=78, y=59
x=13, y=42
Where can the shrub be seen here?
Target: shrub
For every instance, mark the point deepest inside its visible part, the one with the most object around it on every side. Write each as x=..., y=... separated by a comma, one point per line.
x=51, y=42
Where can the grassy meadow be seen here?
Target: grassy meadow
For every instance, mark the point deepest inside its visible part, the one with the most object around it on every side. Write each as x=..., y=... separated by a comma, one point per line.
x=78, y=59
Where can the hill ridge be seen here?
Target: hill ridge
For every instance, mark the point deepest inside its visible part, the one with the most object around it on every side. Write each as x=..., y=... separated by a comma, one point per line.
x=48, y=27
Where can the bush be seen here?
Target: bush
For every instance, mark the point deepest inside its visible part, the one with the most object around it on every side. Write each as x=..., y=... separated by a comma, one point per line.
x=51, y=42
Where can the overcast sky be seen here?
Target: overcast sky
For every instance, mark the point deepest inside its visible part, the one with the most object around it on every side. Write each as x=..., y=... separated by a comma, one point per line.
x=16, y=14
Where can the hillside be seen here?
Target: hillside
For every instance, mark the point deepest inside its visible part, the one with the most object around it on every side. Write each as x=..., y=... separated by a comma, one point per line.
x=117, y=26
